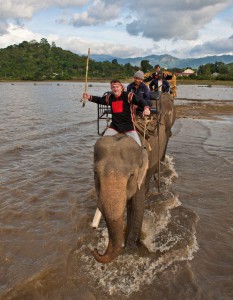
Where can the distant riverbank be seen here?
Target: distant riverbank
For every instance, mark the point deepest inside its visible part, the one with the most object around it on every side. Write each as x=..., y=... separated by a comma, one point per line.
x=204, y=111
x=228, y=83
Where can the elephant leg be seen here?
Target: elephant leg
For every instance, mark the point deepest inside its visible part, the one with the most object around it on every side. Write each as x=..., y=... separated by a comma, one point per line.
x=168, y=135
x=164, y=152
x=135, y=212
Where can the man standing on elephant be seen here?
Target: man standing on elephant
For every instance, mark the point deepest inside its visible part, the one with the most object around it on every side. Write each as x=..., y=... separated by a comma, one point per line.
x=160, y=84
x=153, y=75
x=122, y=108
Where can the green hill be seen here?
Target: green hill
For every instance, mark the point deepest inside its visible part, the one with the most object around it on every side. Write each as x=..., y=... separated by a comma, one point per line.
x=41, y=61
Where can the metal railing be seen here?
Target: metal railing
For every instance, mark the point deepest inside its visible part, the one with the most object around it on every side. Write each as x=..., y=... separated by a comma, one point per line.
x=103, y=113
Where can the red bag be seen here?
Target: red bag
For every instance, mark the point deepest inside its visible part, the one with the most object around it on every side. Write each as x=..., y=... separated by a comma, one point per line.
x=117, y=106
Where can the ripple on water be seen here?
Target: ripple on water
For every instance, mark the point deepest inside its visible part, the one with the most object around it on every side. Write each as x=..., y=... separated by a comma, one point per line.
x=168, y=236
x=130, y=273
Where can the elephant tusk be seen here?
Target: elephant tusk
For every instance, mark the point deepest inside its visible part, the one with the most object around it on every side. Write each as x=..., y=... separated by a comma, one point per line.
x=96, y=219
x=143, y=168
x=143, y=174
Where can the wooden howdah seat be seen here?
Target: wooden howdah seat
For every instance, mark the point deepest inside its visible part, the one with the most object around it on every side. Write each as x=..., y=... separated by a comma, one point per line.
x=104, y=113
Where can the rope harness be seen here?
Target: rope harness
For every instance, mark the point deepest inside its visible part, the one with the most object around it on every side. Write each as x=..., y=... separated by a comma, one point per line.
x=147, y=127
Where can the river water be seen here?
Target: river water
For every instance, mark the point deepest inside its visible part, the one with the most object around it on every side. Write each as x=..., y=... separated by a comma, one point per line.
x=47, y=203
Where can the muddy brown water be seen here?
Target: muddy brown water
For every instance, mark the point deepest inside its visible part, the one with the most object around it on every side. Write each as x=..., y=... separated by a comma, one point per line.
x=47, y=203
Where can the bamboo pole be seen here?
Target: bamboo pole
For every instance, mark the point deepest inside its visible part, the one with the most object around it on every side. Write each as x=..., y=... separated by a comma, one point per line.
x=158, y=166
x=158, y=158
x=97, y=216
x=85, y=87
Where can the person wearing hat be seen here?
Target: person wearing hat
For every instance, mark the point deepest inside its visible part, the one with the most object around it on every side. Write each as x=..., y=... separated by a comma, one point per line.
x=139, y=88
x=122, y=109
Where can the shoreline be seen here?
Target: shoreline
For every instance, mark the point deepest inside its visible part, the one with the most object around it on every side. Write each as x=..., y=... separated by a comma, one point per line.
x=210, y=109
x=208, y=83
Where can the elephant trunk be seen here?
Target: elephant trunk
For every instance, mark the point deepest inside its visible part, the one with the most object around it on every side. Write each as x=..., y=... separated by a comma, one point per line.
x=115, y=231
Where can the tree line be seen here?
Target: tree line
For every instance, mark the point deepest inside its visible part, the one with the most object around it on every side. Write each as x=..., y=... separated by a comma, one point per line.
x=41, y=61
x=218, y=70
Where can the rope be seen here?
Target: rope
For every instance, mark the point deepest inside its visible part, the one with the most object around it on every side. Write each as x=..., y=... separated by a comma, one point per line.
x=147, y=120
x=158, y=124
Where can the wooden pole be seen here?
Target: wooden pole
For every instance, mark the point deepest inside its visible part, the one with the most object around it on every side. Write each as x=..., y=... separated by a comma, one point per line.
x=158, y=124
x=158, y=157
x=85, y=87
x=97, y=216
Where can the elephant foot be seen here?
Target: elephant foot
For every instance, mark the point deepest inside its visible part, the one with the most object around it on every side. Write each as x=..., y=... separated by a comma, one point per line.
x=132, y=244
x=141, y=249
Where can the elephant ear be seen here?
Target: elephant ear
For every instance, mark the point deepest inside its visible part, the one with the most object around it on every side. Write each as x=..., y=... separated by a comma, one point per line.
x=143, y=168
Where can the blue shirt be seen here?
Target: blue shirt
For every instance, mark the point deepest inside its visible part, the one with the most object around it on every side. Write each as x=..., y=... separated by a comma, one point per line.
x=142, y=91
x=154, y=85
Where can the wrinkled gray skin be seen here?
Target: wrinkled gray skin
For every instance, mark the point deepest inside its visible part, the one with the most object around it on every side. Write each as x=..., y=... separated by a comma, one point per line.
x=119, y=168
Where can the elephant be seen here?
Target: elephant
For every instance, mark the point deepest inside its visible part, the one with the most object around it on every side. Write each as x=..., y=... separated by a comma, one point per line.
x=122, y=173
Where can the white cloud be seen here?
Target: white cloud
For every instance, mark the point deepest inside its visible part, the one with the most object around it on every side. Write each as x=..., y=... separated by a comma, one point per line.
x=181, y=20
x=98, y=13
x=121, y=28
x=16, y=34
x=119, y=50
x=25, y=9
x=214, y=47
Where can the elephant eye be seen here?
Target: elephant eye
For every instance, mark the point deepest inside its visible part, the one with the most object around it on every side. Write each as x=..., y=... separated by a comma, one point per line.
x=131, y=176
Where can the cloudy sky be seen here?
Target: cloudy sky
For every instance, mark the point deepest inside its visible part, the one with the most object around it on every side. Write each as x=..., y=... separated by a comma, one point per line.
x=122, y=28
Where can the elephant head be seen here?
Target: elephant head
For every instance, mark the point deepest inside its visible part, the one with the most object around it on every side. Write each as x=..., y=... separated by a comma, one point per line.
x=120, y=166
